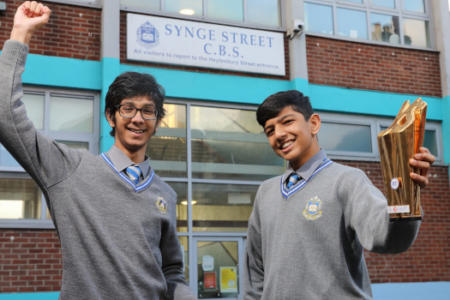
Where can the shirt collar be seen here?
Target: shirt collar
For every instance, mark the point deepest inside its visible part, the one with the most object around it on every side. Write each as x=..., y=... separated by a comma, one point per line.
x=308, y=168
x=121, y=161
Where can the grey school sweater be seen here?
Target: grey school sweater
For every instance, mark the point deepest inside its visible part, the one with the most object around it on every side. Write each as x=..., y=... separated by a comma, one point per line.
x=309, y=244
x=118, y=240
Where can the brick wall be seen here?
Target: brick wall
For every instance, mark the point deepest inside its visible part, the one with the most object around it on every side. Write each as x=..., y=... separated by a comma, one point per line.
x=30, y=260
x=123, y=58
x=72, y=31
x=372, y=67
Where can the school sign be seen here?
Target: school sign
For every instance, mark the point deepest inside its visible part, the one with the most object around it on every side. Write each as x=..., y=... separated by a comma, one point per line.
x=179, y=42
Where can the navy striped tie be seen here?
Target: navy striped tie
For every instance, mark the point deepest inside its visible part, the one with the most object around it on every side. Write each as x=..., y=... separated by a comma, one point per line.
x=293, y=179
x=134, y=172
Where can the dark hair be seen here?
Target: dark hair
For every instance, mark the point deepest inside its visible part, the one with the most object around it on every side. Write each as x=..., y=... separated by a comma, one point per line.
x=271, y=107
x=133, y=84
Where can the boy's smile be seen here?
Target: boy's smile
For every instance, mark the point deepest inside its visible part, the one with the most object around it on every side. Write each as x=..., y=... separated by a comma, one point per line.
x=292, y=137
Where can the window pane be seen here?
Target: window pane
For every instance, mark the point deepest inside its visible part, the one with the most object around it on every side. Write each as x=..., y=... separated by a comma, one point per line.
x=384, y=3
x=318, y=18
x=185, y=7
x=19, y=199
x=351, y=23
x=230, y=10
x=345, y=137
x=139, y=4
x=167, y=149
x=185, y=250
x=266, y=12
x=71, y=114
x=222, y=207
x=6, y=159
x=218, y=275
x=416, y=33
x=414, y=5
x=430, y=141
x=384, y=28
x=181, y=189
x=224, y=143
x=34, y=104
x=354, y=1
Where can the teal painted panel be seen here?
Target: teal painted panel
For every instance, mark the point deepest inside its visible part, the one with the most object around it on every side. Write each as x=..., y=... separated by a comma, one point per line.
x=62, y=72
x=110, y=70
x=412, y=291
x=30, y=296
x=338, y=99
x=214, y=87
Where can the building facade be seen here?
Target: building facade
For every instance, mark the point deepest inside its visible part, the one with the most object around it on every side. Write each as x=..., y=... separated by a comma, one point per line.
x=357, y=60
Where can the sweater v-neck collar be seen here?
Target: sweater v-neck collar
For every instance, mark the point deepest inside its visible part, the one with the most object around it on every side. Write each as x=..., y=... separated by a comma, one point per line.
x=137, y=187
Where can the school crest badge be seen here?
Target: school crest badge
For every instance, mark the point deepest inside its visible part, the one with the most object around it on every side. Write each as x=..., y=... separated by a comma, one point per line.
x=313, y=209
x=161, y=204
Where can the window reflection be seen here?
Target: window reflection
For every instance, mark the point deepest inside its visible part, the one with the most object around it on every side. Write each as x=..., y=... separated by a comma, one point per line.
x=19, y=199
x=222, y=207
x=384, y=3
x=351, y=23
x=230, y=10
x=265, y=12
x=167, y=149
x=318, y=18
x=345, y=137
x=224, y=143
x=139, y=4
x=69, y=114
x=385, y=28
x=415, y=32
x=414, y=5
x=34, y=104
x=184, y=7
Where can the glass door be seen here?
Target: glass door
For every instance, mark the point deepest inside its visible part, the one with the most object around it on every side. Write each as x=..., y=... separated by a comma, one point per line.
x=219, y=264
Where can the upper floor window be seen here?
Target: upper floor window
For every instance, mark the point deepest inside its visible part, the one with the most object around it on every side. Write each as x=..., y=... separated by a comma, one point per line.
x=399, y=22
x=264, y=13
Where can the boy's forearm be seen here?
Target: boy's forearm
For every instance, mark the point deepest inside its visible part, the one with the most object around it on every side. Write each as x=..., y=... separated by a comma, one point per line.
x=20, y=35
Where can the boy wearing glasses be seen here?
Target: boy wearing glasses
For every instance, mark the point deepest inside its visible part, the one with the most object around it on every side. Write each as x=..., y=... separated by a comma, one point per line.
x=114, y=216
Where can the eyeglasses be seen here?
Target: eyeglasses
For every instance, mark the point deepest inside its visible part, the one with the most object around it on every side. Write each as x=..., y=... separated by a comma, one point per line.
x=129, y=111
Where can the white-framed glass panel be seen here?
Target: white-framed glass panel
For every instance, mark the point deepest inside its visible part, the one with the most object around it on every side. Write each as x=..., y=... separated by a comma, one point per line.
x=384, y=3
x=71, y=114
x=20, y=198
x=167, y=149
x=264, y=12
x=222, y=207
x=385, y=28
x=35, y=105
x=224, y=141
x=182, y=204
x=351, y=23
x=345, y=137
x=69, y=117
x=389, y=21
x=184, y=244
x=353, y=1
x=229, y=10
x=141, y=5
x=415, y=33
x=184, y=7
x=414, y=5
x=318, y=18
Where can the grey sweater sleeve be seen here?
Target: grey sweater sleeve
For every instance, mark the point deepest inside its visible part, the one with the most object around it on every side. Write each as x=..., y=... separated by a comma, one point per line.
x=253, y=260
x=366, y=212
x=45, y=160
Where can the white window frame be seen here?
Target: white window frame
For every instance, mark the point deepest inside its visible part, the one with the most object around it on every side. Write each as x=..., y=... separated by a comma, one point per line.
x=204, y=18
x=368, y=8
x=92, y=140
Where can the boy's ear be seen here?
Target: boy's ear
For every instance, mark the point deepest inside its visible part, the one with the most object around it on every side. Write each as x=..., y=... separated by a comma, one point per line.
x=315, y=123
x=110, y=118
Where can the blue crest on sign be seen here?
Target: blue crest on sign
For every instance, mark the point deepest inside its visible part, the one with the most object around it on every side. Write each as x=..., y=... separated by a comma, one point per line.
x=147, y=35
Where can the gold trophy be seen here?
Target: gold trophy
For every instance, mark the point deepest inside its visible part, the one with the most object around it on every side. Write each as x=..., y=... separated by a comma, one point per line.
x=397, y=144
